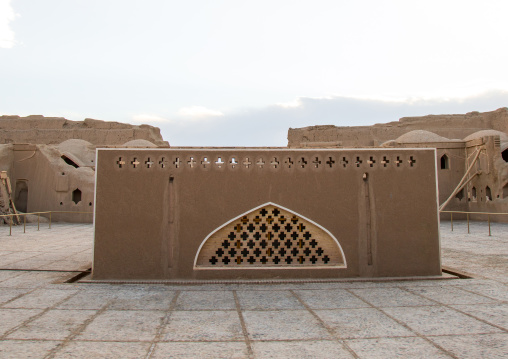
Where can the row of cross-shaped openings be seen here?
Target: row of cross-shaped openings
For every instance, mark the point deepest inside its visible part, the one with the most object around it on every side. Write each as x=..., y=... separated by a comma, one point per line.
x=274, y=162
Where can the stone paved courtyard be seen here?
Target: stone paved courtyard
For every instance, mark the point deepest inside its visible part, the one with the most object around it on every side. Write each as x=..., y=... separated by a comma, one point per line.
x=41, y=316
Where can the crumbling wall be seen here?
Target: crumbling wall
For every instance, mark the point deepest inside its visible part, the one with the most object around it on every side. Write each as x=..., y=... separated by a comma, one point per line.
x=54, y=130
x=449, y=126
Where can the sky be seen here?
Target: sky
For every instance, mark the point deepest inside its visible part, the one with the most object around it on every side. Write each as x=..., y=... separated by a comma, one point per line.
x=240, y=73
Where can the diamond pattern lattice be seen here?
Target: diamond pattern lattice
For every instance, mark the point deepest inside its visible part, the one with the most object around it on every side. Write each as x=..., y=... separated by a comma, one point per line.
x=270, y=237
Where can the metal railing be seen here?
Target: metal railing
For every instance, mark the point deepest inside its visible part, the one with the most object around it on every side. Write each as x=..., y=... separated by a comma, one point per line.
x=38, y=218
x=467, y=216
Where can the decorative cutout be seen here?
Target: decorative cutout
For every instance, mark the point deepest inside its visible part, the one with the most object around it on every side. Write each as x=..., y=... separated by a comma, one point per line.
x=316, y=162
x=302, y=162
x=205, y=162
x=120, y=162
x=371, y=161
x=398, y=161
x=411, y=161
x=275, y=162
x=163, y=162
x=135, y=162
x=191, y=162
x=247, y=163
x=358, y=161
x=149, y=163
x=289, y=162
x=330, y=162
x=233, y=162
x=219, y=163
x=177, y=162
x=344, y=162
x=270, y=237
x=261, y=163
x=385, y=161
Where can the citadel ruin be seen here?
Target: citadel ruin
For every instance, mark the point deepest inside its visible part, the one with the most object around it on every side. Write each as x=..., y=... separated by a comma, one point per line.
x=336, y=202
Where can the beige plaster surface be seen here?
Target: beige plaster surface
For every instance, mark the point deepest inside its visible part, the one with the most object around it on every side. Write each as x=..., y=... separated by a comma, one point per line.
x=43, y=317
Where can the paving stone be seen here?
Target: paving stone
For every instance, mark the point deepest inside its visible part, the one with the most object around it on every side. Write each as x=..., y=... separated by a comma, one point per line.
x=100, y=349
x=391, y=297
x=26, y=349
x=330, y=299
x=40, y=298
x=381, y=348
x=493, y=313
x=283, y=325
x=143, y=300
x=53, y=325
x=201, y=300
x=362, y=323
x=7, y=294
x=439, y=320
x=450, y=295
x=10, y=318
x=201, y=350
x=123, y=325
x=322, y=349
x=491, y=346
x=34, y=279
x=88, y=299
x=268, y=300
x=494, y=291
x=203, y=326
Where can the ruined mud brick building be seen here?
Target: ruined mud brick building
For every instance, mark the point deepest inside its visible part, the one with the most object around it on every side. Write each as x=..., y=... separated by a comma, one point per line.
x=51, y=161
x=474, y=141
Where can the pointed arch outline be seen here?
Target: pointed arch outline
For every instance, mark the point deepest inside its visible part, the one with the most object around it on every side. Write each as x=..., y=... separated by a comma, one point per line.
x=342, y=266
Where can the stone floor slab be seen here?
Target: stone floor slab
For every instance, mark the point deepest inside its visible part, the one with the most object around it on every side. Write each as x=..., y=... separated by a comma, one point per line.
x=204, y=300
x=123, y=325
x=391, y=297
x=53, y=325
x=26, y=349
x=203, y=326
x=439, y=320
x=110, y=350
x=268, y=300
x=496, y=314
x=381, y=348
x=491, y=346
x=41, y=298
x=201, y=350
x=283, y=325
x=330, y=299
x=362, y=323
x=323, y=349
x=451, y=295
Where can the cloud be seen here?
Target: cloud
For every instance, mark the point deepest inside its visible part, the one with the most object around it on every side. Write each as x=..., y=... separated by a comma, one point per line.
x=198, y=112
x=151, y=119
x=7, y=15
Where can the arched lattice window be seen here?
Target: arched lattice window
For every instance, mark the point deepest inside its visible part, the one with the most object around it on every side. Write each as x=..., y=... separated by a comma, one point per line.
x=270, y=236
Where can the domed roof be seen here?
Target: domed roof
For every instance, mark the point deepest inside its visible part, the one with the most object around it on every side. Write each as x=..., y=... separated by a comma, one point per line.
x=484, y=133
x=139, y=143
x=421, y=136
x=79, y=151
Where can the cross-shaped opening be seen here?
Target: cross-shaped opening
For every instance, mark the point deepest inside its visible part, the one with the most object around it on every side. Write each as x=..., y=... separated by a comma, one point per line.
x=411, y=161
x=260, y=162
x=302, y=162
x=247, y=163
x=149, y=163
x=316, y=162
x=358, y=161
x=398, y=161
x=120, y=162
x=385, y=161
x=191, y=162
x=163, y=162
x=219, y=162
x=371, y=161
x=330, y=162
x=275, y=162
x=233, y=162
x=289, y=162
x=205, y=162
x=344, y=162
x=135, y=162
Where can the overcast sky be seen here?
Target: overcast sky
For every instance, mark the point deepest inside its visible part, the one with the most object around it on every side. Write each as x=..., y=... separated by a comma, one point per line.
x=241, y=72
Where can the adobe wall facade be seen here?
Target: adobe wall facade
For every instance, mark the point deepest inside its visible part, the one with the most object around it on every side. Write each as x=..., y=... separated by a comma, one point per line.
x=265, y=213
x=54, y=130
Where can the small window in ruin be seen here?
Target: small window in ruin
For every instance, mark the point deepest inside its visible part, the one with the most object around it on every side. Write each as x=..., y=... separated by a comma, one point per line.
x=473, y=194
x=488, y=193
x=444, y=162
x=505, y=191
x=460, y=195
x=76, y=196
x=90, y=204
x=69, y=161
x=505, y=155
